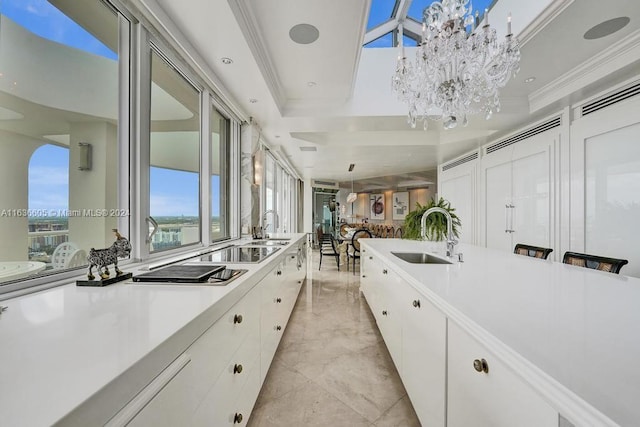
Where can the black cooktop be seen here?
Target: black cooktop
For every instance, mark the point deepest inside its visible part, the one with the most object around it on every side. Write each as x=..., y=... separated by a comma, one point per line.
x=239, y=254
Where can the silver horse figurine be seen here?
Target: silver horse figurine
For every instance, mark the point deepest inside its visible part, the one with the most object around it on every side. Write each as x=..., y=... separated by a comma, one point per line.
x=102, y=258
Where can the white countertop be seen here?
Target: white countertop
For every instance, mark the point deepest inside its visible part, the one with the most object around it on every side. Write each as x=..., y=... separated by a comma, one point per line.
x=574, y=331
x=60, y=346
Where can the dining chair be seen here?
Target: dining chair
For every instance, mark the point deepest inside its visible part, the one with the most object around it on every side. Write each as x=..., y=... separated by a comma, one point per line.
x=355, y=245
x=532, y=251
x=398, y=233
x=611, y=265
x=330, y=249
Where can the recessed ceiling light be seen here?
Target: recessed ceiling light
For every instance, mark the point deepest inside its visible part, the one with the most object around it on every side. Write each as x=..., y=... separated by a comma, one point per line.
x=606, y=28
x=227, y=61
x=529, y=79
x=253, y=100
x=304, y=33
x=311, y=84
x=310, y=148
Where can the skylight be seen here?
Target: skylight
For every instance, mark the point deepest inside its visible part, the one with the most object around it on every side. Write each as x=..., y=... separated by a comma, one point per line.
x=385, y=15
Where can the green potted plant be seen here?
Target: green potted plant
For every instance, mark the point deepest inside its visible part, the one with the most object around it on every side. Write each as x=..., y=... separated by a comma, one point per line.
x=436, y=225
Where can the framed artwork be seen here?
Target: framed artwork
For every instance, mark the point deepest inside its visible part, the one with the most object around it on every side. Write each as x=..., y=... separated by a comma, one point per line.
x=400, y=205
x=376, y=204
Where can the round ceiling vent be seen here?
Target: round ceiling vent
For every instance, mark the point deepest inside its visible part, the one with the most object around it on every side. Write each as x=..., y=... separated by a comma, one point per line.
x=304, y=33
x=606, y=28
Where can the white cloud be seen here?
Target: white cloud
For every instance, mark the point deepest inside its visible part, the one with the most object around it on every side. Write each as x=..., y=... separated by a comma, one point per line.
x=48, y=176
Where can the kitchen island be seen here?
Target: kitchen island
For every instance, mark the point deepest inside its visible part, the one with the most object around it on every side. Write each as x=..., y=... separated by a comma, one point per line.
x=511, y=340
x=132, y=353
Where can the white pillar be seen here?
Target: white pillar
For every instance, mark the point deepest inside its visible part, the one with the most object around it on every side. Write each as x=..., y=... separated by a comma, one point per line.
x=15, y=153
x=93, y=189
x=308, y=206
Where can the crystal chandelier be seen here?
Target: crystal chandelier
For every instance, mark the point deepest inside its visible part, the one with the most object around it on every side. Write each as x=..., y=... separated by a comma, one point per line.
x=459, y=66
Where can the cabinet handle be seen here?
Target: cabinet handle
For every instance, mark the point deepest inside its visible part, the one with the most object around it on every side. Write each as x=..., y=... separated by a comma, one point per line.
x=416, y=303
x=384, y=312
x=384, y=271
x=278, y=328
x=278, y=300
x=363, y=276
x=237, y=368
x=370, y=257
x=293, y=256
x=279, y=273
x=237, y=318
x=237, y=418
x=481, y=365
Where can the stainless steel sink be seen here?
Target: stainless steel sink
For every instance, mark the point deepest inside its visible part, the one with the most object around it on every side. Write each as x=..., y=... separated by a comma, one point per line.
x=420, y=258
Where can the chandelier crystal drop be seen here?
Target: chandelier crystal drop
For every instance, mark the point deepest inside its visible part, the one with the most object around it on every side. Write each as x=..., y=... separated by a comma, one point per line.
x=459, y=66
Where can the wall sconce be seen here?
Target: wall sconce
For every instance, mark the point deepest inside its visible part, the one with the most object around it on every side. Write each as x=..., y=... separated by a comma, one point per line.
x=258, y=162
x=85, y=150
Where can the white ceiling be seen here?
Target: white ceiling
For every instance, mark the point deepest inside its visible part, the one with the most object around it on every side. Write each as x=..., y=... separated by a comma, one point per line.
x=350, y=115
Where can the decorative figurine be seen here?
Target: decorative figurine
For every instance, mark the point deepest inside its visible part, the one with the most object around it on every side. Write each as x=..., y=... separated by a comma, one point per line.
x=102, y=258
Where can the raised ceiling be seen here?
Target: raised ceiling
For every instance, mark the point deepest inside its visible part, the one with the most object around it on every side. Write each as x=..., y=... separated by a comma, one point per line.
x=349, y=114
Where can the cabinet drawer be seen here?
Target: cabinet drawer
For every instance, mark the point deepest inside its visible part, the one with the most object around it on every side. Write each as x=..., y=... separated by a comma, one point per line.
x=166, y=401
x=215, y=348
x=216, y=408
x=495, y=398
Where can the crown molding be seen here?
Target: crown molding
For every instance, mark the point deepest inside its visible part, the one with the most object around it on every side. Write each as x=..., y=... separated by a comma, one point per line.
x=617, y=56
x=251, y=29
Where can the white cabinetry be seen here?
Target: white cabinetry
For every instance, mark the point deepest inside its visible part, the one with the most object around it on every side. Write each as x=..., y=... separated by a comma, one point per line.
x=225, y=362
x=279, y=293
x=415, y=334
x=483, y=391
x=166, y=401
x=457, y=183
x=605, y=183
x=518, y=203
x=424, y=343
x=381, y=297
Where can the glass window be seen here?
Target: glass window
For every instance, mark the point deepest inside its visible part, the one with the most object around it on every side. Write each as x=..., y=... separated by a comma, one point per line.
x=59, y=87
x=384, y=41
x=174, y=157
x=381, y=11
x=219, y=164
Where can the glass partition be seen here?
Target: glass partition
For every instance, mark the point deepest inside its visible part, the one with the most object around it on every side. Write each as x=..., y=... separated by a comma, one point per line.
x=174, y=157
x=59, y=120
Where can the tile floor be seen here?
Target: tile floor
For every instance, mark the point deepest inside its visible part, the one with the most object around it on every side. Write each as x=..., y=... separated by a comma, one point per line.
x=332, y=367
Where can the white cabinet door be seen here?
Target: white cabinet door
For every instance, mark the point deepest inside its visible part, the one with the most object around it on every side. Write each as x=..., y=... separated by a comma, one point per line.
x=518, y=194
x=496, y=398
x=458, y=185
x=424, y=342
x=531, y=204
x=498, y=204
x=390, y=314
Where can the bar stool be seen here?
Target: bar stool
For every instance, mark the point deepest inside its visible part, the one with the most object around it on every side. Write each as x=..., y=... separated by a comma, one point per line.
x=611, y=265
x=532, y=251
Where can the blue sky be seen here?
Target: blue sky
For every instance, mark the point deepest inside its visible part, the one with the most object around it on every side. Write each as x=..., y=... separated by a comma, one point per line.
x=43, y=19
x=381, y=12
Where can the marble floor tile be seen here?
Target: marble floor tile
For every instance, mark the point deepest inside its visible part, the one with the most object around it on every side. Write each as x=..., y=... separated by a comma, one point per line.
x=308, y=406
x=332, y=367
x=399, y=415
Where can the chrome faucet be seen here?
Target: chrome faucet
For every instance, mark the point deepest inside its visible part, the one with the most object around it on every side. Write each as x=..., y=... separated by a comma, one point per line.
x=451, y=241
x=264, y=219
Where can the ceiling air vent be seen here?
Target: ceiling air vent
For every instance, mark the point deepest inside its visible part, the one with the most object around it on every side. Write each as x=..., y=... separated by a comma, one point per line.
x=553, y=123
x=324, y=184
x=611, y=99
x=308, y=149
x=458, y=162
